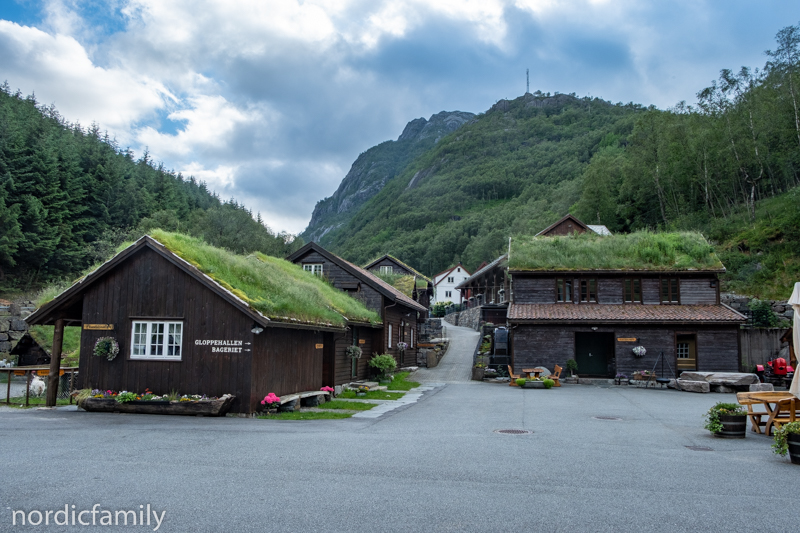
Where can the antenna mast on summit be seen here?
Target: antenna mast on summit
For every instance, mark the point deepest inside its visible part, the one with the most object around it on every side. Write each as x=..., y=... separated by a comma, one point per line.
x=527, y=80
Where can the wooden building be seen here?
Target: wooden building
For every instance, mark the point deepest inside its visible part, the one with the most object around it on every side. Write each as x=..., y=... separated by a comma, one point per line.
x=185, y=324
x=29, y=352
x=446, y=284
x=568, y=225
x=399, y=313
x=597, y=307
x=409, y=280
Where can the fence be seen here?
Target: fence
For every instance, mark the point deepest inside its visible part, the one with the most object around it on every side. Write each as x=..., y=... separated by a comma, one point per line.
x=759, y=345
x=18, y=383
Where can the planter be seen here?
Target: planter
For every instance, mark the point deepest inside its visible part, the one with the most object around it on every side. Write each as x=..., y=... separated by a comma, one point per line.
x=534, y=385
x=201, y=408
x=361, y=394
x=478, y=374
x=793, y=439
x=733, y=426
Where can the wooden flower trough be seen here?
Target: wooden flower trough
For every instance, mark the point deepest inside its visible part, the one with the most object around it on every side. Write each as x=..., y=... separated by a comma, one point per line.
x=218, y=407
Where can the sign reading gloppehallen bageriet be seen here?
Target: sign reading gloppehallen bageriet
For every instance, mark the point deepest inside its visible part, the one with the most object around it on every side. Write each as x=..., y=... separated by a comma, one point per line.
x=219, y=345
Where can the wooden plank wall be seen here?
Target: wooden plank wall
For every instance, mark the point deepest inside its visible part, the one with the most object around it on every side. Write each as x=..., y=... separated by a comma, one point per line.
x=397, y=269
x=286, y=361
x=717, y=347
x=147, y=285
x=610, y=291
x=394, y=314
x=651, y=291
x=529, y=290
x=342, y=365
x=698, y=291
x=759, y=345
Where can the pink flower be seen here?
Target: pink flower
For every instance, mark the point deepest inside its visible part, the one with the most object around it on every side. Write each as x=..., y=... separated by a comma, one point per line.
x=270, y=399
x=327, y=389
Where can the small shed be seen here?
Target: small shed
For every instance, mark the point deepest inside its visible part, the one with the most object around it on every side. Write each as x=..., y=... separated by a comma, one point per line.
x=200, y=320
x=29, y=352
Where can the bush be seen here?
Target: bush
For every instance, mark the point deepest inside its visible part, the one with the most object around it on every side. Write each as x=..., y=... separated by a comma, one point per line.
x=521, y=382
x=572, y=365
x=781, y=444
x=763, y=317
x=548, y=383
x=383, y=363
x=438, y=309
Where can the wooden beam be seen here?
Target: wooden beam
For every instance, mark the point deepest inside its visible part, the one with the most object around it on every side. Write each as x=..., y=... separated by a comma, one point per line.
x=55, y=363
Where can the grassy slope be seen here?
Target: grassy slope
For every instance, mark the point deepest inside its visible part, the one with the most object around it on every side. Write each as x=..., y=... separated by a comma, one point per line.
x=71, y=348
x=639, y=251
x=511, y=171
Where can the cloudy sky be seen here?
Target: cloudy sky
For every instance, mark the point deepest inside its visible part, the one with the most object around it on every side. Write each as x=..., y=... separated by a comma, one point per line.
x=270, y=101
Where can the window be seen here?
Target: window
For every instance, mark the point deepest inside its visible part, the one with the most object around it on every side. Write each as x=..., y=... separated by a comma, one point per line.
x=669, y=290
x=448, y=294
x=450, y=279
x=157, y=340
x=459, y=270
x=412, y=339
x=633, y=290
x=314, y=268
x=390, y=335
x=588, y=290
x=564, y=290
x=387, y=270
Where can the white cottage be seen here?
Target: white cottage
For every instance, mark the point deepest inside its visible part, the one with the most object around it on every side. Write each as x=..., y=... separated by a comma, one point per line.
x=444, y=284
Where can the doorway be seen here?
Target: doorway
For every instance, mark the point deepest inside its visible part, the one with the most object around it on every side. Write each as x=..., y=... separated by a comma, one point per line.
x=686, y=351
x=593, y=352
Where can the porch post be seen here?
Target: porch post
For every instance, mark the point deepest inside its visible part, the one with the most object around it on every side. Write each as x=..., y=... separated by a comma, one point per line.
x=55, y=363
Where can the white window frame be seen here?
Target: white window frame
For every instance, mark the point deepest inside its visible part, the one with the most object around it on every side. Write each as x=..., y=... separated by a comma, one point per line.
x=390, y=335
x=150, y=349
x=448, y=294
x=314, y=268
x=388, y=269
x=450, y=279
x=412, y=338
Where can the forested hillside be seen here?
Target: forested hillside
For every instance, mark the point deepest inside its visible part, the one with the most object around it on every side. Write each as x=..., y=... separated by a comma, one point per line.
x=722, y=166
x=69, y=195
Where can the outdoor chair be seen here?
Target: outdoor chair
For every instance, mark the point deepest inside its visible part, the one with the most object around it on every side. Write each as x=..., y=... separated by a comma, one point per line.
x=556, y=376
x=513, y=377
x=758, y=419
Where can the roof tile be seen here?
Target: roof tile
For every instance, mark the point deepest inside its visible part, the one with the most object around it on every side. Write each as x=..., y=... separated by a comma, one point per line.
x=624, y=313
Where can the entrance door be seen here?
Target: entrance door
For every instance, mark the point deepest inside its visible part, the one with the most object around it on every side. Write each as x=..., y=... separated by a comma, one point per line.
x=593, y=351
x=686, y=351
x=328, y=361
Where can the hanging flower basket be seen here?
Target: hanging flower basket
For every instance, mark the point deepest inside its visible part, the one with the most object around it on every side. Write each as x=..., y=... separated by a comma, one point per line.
x=639, y=351
x=106, y=347
x=354, y=352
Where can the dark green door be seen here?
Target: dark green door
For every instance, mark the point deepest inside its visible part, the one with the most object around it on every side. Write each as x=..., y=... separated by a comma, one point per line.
x=593, y=351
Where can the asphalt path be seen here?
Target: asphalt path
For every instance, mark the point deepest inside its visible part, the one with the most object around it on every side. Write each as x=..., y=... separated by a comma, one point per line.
x=434, y=465
x=456, y=364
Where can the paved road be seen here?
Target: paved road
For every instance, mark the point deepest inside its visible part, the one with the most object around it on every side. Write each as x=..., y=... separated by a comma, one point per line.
x=435, y=465
x=456, y=365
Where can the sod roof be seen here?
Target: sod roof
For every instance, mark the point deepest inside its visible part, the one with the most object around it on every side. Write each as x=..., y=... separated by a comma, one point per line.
x=644, y=251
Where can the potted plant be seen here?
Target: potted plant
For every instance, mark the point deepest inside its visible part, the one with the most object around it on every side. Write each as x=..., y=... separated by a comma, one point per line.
x=106, y=347
x=727, y=420
x=479, y=370
x=362, y=390
x=354, y=352
x=383, y=364
x=533, y=383
x=621, y=379
x=639, y=351
x=787, y=439
x=572, y=366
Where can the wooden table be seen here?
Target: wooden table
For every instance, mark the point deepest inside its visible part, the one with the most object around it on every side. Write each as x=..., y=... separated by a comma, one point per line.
x=781, y=407
x=534, y=371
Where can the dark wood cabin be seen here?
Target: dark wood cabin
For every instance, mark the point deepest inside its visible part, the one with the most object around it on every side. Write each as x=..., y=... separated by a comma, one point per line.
x=29, y=352
x=398, y=312
x=422, y=287
x=568, y=225
x=489, y=285
x=597, y=318
x=203, y=338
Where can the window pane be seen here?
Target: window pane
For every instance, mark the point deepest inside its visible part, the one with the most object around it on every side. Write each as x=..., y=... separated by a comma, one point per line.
x=683, y=350
x=627, y=285
x=637, y=290
x=583, y=290
x=592, y=290
x=174, y=340
x=674, y=284
x=664, y=290
x=139, y=338
x=157, y=338
x=560, y=290
x=568, y=290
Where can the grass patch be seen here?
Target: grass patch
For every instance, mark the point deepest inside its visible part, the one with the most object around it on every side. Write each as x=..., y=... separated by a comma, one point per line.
x=373, y=395
x=19, y=402
x=349, y=406
x=71, y=347
x=305, y=415
x=641, y=250
x=400, y=383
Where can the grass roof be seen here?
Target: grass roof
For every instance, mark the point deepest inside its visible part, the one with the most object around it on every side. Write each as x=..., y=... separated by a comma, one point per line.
x=278, y=289
x=634, y=251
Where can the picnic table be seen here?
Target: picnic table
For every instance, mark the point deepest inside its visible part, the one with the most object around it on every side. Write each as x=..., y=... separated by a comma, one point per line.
x=780, y=408
x=535, y=371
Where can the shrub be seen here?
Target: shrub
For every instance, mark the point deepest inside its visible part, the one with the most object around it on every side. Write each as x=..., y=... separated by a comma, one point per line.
x=383, y=363
x=521, y=382
x=439, y=309
x=572, y=365
x=781, y=444
x=763, y=317
x=548, y=383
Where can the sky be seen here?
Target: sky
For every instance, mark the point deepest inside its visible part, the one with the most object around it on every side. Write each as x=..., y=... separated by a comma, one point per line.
x=270, y=101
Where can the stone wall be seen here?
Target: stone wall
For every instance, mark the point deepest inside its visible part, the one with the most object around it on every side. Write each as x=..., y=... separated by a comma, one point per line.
x=430, y=329
x=781, y=309
x=12, y=325
x=470, y=318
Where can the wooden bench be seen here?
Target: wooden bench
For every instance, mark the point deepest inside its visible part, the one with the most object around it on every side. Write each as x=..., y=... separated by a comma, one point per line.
x=513, y=377
x=758, y=419
x=785, y=411
x=556, y=376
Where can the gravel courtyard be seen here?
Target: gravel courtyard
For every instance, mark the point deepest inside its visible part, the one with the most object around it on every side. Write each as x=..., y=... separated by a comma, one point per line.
x=435, y=465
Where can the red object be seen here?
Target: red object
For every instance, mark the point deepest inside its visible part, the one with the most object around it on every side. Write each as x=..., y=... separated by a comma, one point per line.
x=778, y=366
x=759, y=368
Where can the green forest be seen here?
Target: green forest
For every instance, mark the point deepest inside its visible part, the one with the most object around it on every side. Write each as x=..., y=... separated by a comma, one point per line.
x=69, y=196
x=726, y=166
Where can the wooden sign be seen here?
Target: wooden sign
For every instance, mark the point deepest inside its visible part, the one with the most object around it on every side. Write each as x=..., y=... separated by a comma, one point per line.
x=102, y=327
x=320, y=346
x=362, y=341
x=626, y=339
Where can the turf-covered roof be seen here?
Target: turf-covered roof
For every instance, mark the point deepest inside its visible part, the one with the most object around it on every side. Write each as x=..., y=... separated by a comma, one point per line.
x=411, y=269
x=273, y=288
x=643, y=250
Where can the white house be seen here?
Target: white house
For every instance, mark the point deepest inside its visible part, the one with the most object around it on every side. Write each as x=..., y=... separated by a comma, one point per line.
x=444, y=284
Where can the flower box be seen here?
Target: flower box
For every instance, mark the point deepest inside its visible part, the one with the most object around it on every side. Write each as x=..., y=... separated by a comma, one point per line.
x=217, y=407
x=534, y=385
